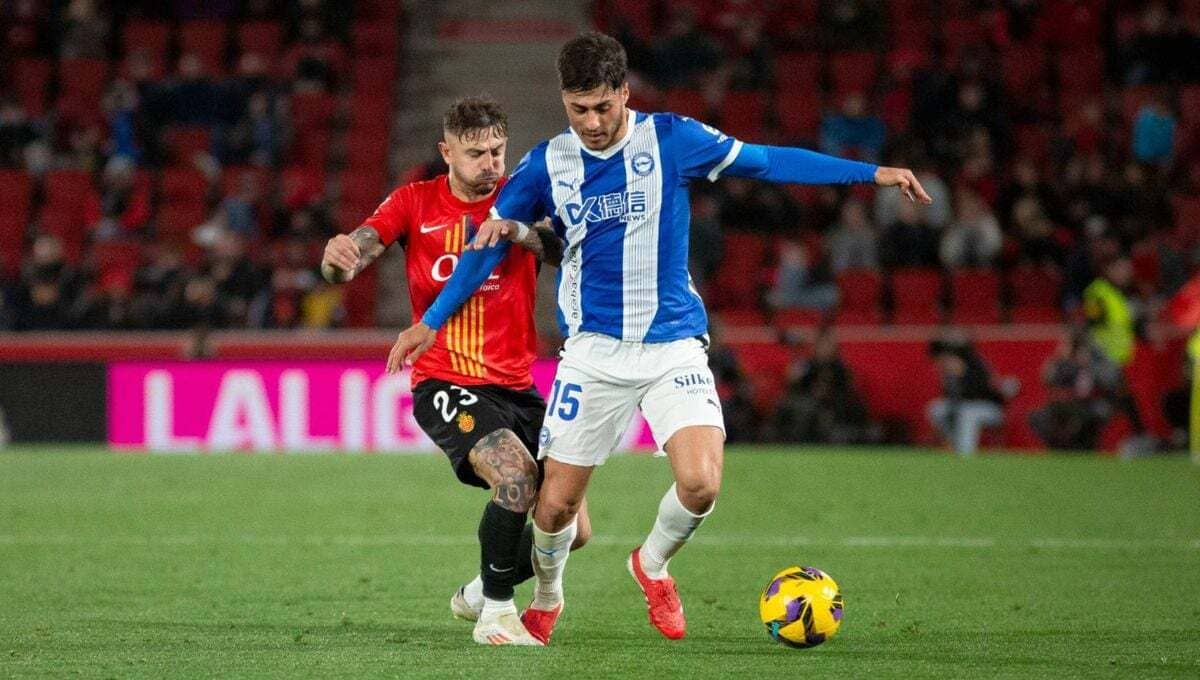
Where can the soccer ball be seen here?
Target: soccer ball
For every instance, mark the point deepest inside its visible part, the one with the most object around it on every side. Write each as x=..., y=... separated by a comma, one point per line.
x=801, y=607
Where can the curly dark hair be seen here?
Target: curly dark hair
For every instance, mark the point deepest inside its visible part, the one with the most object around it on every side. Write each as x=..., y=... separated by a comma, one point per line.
x=590, y=60
x=469, y=116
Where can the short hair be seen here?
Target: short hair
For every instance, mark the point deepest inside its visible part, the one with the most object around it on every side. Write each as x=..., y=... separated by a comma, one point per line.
x=469, y=116
x=590, y=60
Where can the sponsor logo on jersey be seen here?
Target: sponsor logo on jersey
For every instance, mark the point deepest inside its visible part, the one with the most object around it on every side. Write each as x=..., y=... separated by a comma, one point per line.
x=627, y=206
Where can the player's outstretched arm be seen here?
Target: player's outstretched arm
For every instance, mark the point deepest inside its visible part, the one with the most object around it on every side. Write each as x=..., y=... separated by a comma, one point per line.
x=801, y=166
x=412, y=343
x=906, y=180
x=539, y=239
x=348, y=254
x=474, y=267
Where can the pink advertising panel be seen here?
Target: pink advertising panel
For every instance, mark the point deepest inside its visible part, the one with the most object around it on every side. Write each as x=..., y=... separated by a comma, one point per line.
x=276, y=406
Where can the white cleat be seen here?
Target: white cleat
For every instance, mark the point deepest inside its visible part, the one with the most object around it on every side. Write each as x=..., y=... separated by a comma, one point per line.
x=461, y=609
x=504, y=629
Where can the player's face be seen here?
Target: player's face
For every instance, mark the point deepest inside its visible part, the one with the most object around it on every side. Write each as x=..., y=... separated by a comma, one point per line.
x=476, y=160
x=597, y=115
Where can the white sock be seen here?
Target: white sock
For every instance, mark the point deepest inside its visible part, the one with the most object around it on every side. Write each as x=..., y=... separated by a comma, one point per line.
x=673, y=527
x=496, y=607
x=550, y=553
x=473, y=592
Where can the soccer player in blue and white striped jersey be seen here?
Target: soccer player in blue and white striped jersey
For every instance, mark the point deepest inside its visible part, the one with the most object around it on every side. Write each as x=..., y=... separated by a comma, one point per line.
x=615, y=186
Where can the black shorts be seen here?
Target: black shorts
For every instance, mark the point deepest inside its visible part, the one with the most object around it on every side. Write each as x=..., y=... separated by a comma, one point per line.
x=456, y=418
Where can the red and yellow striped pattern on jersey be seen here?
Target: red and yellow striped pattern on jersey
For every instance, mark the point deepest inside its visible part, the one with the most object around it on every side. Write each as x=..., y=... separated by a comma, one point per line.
x=464, y=331
x=491, y=340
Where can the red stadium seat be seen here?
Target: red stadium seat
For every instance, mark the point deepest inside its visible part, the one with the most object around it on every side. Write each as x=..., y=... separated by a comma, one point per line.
x=798, y=317
x=860, y=296
x=182, y=185
x=1189, y=105
x=1022, y=68
x=896, y=110
x=798, y=114
x=1187, y=212
x=637, y=15
x=374, y=77
x=206, y=39
x=798, y=71
x=1134, y=98
x=81, y=83
x=916, y=296
x=853, y=72
x=110, y=255
x=14, y=218
x=1034, y=293
x=30, y=83
x=67, y=223
x=739, y=279
x=687, y=102
x=262, y=37
x=312, y=111
x=142, y=34
x=1081, y=70
x=183, y=142
x=960, y=35
x=177, y=220
x=364, y=187
x=359, y=299
x=231, y=178
x=741, y=317
x=976, y=296
x=375, y=40
x=63, y=188
x=742, y=115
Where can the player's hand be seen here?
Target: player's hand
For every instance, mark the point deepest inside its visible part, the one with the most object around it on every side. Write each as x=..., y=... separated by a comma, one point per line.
x=903, y=178
x=492, y=232
x=342, y=257
x=412, y=343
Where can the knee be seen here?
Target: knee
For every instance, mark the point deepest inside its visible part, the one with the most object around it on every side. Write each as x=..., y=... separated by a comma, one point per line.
x=582, y=536
x=555, y=511
x=698, y=494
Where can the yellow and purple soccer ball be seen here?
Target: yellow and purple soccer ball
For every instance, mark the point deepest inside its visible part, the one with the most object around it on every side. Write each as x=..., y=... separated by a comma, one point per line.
x=801, y=607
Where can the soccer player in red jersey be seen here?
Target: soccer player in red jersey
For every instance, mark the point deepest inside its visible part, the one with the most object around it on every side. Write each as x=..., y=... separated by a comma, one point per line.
x=473, y=389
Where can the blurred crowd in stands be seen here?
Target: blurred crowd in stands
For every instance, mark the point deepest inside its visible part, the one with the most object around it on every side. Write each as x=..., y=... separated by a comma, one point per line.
x=178, y=164
x=174, y=164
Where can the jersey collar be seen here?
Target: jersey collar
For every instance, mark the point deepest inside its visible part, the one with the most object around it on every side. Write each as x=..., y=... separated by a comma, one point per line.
x=630, y=120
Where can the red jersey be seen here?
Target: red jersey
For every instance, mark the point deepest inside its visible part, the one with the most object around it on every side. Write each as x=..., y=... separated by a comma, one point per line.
x=491, y=340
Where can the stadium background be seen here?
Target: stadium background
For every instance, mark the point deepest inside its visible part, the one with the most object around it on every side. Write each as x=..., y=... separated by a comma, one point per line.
x=171, y=172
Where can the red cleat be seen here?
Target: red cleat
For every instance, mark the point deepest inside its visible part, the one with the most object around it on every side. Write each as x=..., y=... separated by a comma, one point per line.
x=540, y=622
x=662, y=600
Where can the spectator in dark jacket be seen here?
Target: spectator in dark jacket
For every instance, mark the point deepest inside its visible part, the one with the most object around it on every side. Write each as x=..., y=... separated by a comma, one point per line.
x=969, y=402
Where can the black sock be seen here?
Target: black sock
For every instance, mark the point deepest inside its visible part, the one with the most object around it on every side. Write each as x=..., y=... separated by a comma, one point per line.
x=525, y=556
x=499, y=540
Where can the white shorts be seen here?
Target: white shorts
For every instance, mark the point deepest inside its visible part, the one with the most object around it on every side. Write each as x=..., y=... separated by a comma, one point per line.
x=601, y=380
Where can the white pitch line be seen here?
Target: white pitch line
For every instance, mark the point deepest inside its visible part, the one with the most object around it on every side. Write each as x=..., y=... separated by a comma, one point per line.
x=737, y=541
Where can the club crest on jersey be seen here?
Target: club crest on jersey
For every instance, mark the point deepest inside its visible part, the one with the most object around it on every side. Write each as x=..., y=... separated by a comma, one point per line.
x=466, y=422
x=628, y=206
x=643, y=164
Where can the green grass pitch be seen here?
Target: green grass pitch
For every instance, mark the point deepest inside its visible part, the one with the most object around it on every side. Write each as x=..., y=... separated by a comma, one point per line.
x=341, y=566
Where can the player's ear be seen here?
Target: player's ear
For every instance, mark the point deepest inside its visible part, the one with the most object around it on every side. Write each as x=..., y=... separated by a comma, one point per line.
x=444, y=149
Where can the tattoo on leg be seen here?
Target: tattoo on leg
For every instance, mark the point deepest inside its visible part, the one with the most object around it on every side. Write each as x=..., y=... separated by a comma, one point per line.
x=503, y=461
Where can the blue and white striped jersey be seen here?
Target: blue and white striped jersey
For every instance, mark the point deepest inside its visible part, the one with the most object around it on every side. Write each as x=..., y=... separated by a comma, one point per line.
x=625, y=215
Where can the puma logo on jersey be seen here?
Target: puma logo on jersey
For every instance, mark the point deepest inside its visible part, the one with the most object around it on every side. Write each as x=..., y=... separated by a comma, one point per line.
x=430, y=228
